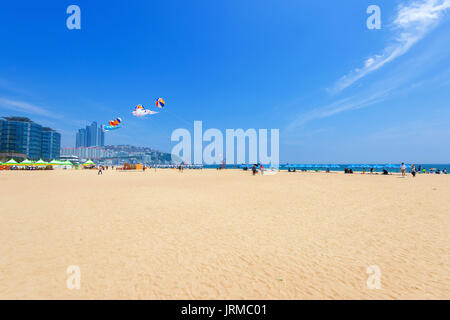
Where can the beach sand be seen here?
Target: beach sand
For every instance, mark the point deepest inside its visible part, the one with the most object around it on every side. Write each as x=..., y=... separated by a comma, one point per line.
x=207, y=234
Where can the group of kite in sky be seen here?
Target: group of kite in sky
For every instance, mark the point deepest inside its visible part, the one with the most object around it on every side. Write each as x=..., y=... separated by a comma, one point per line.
x=139, y=111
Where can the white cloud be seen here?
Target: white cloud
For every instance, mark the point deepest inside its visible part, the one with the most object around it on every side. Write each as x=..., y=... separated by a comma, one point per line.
x=21, y=106
x=412, y=23
x=347, y=104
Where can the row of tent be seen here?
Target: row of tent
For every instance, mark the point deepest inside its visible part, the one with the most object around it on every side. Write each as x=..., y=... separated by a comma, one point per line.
x=41, y=162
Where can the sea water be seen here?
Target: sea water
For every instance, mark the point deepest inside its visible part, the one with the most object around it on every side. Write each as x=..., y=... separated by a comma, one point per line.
x=341, y=167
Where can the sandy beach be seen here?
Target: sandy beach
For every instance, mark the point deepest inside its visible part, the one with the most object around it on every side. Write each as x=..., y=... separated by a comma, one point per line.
x=208, y=234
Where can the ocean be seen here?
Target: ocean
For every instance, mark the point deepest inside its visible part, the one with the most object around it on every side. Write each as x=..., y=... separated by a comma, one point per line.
x=341, y=167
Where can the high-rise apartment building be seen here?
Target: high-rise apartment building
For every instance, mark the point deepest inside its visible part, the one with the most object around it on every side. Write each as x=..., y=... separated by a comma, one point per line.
x=91, y=136
x=51, y=144
x=101, y=137
x=21, y=135
x=81, y=140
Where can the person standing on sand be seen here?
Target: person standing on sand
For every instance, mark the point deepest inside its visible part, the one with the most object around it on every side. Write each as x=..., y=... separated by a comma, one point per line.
x=403, y=169
x=100, y=169
x=413, y=170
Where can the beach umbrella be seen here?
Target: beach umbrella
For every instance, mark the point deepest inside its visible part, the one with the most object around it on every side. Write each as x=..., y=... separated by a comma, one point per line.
x=67, y=163
x=11, y=162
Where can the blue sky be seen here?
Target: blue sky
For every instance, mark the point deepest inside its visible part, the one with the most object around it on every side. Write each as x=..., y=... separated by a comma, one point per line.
x=337, y=91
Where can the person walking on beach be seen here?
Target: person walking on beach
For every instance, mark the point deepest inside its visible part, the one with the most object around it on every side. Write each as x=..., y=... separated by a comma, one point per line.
x=413, y=170
x=100, y=170
x=254, y=169
x=403, y=169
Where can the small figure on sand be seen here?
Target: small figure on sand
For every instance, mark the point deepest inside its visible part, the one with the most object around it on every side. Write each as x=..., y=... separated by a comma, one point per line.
x=413, y=170
x=403, y=169
x=100, y=170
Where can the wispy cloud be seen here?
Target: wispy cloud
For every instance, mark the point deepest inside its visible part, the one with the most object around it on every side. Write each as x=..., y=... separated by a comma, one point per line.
x=350, y=103
x=386, y=88
x=411, y=24
x=26, y=107
x=396, y=81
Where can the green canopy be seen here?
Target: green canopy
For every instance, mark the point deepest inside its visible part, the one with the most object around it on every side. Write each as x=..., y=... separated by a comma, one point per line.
x=26, y=162
x=11, y=162
x=67, y=163
x=54, y=163
x=89, y=163
x=40, y=162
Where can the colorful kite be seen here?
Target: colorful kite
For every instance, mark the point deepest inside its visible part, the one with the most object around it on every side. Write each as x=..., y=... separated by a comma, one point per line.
x=140, y=111
x=115, y=122
x=113, y=125
x=160, y=103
